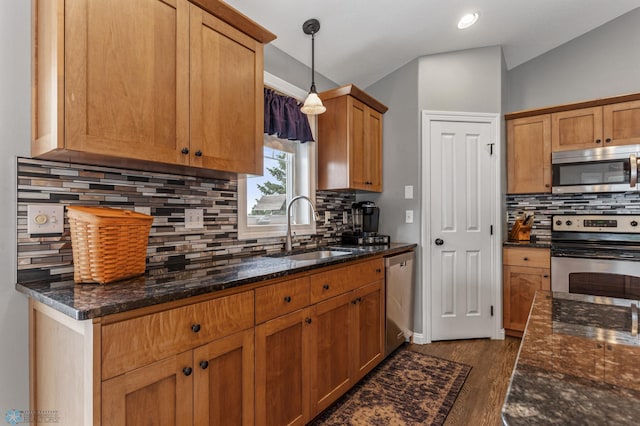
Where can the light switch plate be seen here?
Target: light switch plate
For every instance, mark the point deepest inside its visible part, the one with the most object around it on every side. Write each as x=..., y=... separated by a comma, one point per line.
x=345, y=217
x=327, y=217
x=409, y=216
x=193, y=218
x=408, y=192
x=45, y=219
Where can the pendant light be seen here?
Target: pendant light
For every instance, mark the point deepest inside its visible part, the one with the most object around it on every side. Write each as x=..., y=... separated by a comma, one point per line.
x=313, y=104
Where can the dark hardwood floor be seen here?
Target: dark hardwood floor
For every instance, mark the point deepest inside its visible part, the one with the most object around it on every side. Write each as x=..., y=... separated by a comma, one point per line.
x=482, y=396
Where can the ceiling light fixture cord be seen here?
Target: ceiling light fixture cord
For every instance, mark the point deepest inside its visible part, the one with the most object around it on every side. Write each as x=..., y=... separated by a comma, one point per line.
x=313, y=104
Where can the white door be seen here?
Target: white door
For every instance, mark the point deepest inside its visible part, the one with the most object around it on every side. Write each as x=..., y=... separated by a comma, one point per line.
x=461, y=230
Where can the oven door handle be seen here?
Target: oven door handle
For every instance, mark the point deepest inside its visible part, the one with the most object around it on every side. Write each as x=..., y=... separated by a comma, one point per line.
x=633, y=167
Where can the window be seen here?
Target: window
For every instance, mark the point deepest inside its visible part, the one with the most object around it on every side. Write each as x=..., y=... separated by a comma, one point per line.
x=289, y=170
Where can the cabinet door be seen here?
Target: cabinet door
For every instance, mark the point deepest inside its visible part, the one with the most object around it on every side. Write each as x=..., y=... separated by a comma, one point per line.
x=368, y=348
x=224, y=381
x=356, y=119
x=373, y=150
x=529, y=155
x=282, y=370
x=618, y=370
x=577, y=129
x=126, y=78
x=329, y=365
x=158, y=394
x=227, y=105
x=621, y=123
x=520, y=286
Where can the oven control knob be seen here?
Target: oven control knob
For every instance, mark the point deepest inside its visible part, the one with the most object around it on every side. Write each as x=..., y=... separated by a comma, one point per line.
x=634, y=223
x=569, y=223
x=558, y=222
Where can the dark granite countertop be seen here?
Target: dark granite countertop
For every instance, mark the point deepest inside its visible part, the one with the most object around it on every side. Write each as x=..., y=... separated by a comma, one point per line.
x=578, y=363
x=532, y=244
x=86, y=301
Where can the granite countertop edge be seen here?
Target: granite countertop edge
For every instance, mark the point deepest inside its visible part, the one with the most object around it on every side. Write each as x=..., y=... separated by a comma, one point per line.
x=88, y=301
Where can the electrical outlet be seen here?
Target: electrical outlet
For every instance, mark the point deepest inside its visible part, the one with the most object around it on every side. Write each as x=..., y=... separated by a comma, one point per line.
x=193, y=218
x=409, y=216
x=327, y=217
x=45, y=219
x=345, y=217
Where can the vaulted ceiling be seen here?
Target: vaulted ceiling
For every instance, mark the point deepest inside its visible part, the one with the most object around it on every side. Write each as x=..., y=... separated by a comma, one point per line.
x=361, y=41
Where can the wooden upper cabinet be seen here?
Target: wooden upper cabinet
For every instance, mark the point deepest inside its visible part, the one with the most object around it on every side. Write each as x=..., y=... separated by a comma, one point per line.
x=350, y=141
x=611, y=124
x=529, y=155
x=621, y=123
x=226, y=96
x=138, y=83
x=577, y=129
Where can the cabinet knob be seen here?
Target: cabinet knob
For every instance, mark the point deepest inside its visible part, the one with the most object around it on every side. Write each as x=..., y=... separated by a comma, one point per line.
x=185, y=150
x=326, y=286
x=545, y=276
x=204, y=364
x=187, y=371
x=608, y=140
x=378, y=270
x=198, y=153
x=598, y=140
x=307, y=320
x=195, y=328
x=526, y=259
x=359, y=299
x=546, y=185
x=287, y=299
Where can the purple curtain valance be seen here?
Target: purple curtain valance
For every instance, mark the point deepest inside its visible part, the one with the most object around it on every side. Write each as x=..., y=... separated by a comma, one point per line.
x=283, y=118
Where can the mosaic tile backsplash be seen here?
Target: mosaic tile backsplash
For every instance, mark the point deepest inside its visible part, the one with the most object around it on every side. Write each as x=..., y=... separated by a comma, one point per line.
x=166, y=195
x=544, y=206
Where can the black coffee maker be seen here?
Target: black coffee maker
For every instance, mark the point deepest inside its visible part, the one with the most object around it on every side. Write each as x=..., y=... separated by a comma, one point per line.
x=366, y=216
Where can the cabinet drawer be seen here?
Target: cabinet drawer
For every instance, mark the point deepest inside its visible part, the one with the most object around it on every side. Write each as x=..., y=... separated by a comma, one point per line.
x=278, y=299
x=331, y=283
x=526, y=256
x=139, y=341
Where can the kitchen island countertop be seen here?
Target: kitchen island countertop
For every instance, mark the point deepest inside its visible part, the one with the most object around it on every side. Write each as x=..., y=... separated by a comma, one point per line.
x=578, y=363
x=86, y=301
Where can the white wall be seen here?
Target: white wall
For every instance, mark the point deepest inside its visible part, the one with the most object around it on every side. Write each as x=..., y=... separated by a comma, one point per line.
x=604, y=62
x=15, y=136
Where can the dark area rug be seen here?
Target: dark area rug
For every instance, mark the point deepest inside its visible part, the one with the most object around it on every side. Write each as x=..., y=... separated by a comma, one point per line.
x=408, y=388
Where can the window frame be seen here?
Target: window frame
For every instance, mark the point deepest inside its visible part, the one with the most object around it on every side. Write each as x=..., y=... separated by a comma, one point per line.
x=308, y=182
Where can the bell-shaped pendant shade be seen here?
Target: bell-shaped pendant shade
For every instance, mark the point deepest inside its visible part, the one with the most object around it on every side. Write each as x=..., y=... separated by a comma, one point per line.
x=313, y=105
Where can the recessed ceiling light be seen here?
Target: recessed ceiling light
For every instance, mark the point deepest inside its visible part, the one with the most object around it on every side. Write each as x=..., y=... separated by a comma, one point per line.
x=468, y=20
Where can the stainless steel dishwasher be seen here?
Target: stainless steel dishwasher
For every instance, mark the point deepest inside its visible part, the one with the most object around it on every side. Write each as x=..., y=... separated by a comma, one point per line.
x=399, y=290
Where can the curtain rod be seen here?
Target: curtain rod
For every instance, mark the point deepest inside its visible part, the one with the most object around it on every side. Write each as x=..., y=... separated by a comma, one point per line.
x=266, y=86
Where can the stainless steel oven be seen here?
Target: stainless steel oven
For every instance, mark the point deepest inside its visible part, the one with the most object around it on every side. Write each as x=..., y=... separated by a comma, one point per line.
x=596, y=254
x=606, y=169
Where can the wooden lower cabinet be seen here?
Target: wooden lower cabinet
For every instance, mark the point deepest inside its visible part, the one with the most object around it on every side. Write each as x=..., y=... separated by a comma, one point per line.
x=215, y=361
x=282, y=381
x=369, y=321
x=307, y=359
x=158, y=394
x=526, y=270
x=224, y=381
x=333, y=342
x=211, y=385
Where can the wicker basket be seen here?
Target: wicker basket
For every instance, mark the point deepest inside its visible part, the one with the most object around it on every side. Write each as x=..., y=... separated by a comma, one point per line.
x=108, y=244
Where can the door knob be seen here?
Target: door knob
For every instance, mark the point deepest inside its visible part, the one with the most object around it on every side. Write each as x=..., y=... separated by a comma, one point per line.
x=439, y=241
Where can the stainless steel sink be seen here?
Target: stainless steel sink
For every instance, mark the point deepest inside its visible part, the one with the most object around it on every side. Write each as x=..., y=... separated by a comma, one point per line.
x=315, y=255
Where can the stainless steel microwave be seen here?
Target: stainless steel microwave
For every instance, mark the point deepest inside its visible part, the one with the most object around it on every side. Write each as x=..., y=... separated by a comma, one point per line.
x=606, y=169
